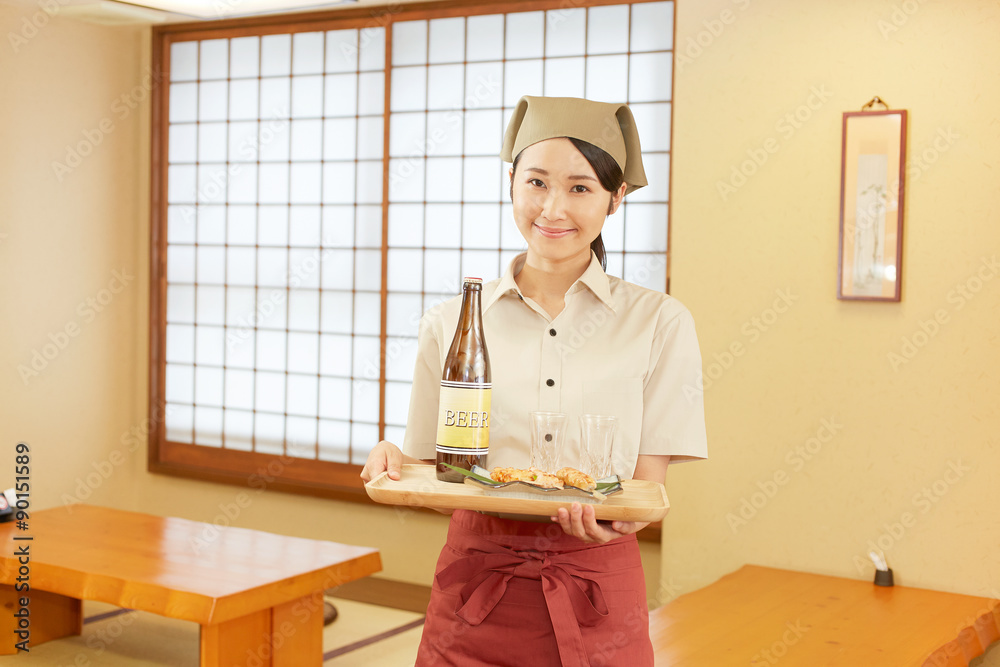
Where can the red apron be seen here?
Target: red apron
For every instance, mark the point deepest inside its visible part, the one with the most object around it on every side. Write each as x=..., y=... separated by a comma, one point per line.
x=528, y=595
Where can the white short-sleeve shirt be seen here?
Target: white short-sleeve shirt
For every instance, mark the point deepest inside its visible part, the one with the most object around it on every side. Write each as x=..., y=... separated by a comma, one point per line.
x=615, y=349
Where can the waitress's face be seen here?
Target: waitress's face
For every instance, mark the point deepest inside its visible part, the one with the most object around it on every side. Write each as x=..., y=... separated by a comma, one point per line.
x=559, y=203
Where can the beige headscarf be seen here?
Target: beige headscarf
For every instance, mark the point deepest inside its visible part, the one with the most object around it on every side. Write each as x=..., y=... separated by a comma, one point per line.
x=610, y=127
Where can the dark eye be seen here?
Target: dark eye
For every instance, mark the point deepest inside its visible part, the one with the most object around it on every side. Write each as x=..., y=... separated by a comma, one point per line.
x=537, y=183
x=582, y=188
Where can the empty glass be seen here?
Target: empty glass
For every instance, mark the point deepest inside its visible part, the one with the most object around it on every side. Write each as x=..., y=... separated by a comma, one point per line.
x=548, y=431
x=597, y=438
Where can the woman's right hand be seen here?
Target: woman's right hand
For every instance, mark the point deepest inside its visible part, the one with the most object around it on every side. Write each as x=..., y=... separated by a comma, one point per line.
x=385, y=456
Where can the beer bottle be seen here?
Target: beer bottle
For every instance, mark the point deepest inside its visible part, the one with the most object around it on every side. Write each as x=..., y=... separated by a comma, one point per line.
x=463, y=434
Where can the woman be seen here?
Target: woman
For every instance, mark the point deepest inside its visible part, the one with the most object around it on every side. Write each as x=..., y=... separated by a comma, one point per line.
x=563, y=337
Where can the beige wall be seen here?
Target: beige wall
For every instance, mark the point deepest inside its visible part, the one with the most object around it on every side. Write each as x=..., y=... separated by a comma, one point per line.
x=931, y=421
x=898, y=430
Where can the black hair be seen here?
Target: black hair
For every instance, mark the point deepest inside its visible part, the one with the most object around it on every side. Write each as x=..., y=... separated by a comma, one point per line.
x=608, y=173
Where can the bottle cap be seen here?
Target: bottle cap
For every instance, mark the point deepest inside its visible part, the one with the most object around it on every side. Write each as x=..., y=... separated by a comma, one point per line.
x=478, y=281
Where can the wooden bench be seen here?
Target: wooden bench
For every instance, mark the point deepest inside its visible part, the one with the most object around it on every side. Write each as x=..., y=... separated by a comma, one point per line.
x=255, y=594
x=763, y=616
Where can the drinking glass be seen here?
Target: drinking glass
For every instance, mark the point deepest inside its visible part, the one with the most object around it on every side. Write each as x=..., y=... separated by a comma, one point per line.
x=597, y=439
x=547, y=436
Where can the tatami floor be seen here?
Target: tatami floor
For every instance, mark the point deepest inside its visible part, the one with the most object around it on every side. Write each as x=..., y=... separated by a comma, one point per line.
x=363, y=635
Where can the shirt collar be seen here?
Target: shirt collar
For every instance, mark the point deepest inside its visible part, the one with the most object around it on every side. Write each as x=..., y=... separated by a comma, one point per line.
x=594, y=278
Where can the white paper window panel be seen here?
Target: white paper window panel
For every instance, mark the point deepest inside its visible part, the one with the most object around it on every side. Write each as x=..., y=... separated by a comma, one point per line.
x=304, y=226
x=242, y=187
x=182, y=141
x=403, y=312
x=213, y=100
x=240, y=305
x=341, y=95
x=275, y=98
x=179, y=422
x=616, y=263
x=303, y=394
x=307, y=96
x=184, y=61
x=306, y=264
x=483, y=132
x=340, y=139
x=395, y=434
x=369, y=184
x=367, y=313
x=525, y=35
x=646, y=228
x=607, y=29
x=335, y=355
x=338, y=226
x=336, y=312
x=406, y=179
x=303, y=310
x=341, y=51
x=241, y=266
x=338, y=270
x=397, y=402
x=183, y=102
x=364, y=437
x=613, y=232
x=334, y=441
x=371, y=93
x=211, y=265
x=209, y=345
x=244, y=99
x=521, y=77
x=653, y=120
x=443, y=179
x=485, y=37
x=303, y=352
x=406, y=226
x=271, y=350
x=301, y=437
x=652, y=26
x=243, y=144
x=180, y=264
x=564, y=77
x=482, y=178
x=510, y=236
x=407, y=134
x=409, y=43
x=371, y=41
x=208, y=386
x=649, y=77
x=211, y=225
x=214, y=59
x=339, y=182
x=238, y=430
x=481, y=263
x=180, y=303
x=212, y=183
x=208, y=426
x=272, y=267
x=271, y=308
x=269, y=391
x=211, y=304
x=403, y=266
x=180, y=343
x=239, y=389
x=306, y=183
x=182, y=184
x=245, y=57
x=565, y=33
x=444, y=133
x=334, y=398
x=401, y=356
x=272, y=226
x=443, y=225
x=274, y=141
x=646, y=269
x=481, y=226
x=181, y=224
x=307, y=53
x=269, y=433
x=366, y=352
x=274, y=183
x=657, y=168
x=444, y=86
x=607, y=81
x=241, y=226
x=306, y=140
x=276, y=55
x=447, y=40
x=241, y=342
x=180, y=383
x=506, y=257
x=370, y=140
x=365, y=403
x=441, y=269
x=409, y=89
x=483, y=85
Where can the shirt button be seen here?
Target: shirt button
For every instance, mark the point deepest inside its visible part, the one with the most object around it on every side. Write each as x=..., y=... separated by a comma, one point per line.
x=550, y=382
x=552, y=332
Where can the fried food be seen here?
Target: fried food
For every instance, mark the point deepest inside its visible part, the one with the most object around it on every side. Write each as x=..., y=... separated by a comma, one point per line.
x=574, y=477
x=531, y=475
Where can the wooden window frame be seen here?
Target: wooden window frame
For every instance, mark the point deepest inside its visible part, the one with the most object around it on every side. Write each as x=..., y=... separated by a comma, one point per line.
x=285, y=473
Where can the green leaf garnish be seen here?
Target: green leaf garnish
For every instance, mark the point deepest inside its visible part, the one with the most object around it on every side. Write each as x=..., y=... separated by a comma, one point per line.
x=604, y=486
x=469, y=473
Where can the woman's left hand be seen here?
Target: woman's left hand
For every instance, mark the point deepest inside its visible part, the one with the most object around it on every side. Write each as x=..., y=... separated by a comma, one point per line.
x=579, y=521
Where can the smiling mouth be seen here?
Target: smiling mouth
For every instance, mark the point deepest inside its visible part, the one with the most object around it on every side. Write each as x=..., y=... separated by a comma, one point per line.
x=552, y=232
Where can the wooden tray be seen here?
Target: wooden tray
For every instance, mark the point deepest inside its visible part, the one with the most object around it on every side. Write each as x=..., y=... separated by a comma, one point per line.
x=418, y=486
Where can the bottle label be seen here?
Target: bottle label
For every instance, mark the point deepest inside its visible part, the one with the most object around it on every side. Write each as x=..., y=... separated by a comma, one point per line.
x=464, y=418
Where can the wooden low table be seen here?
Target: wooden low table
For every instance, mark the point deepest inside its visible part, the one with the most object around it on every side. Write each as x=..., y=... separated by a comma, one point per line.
x=255, y=594
x=762, y=616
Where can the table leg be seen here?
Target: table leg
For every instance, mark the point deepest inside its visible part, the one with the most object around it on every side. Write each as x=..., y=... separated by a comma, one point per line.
x=287, y=635
x=51, y=616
